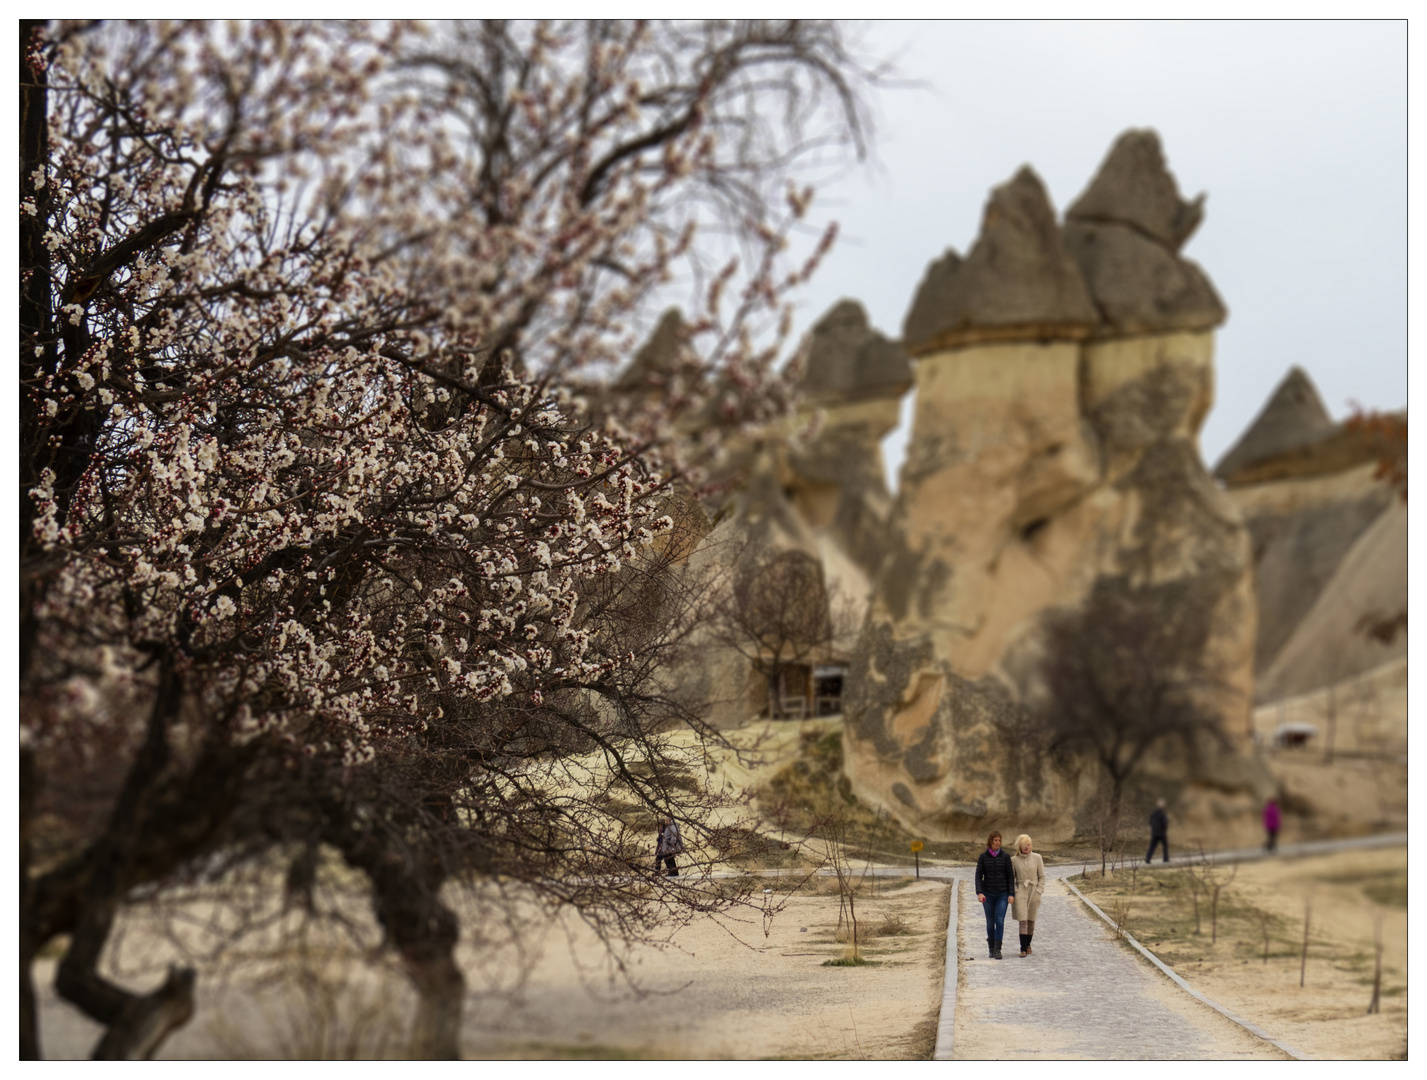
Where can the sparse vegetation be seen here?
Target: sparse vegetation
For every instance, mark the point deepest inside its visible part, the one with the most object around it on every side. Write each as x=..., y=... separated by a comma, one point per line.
x=812, y=788
x=1283, y=946
x=890, y=926
x=323, y=1010
x=850, y=959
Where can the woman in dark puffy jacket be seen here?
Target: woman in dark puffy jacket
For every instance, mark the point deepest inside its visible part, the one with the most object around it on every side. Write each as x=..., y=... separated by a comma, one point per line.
x=995, y=888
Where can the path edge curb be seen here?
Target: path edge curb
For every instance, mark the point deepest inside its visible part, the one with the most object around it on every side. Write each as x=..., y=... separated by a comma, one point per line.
x=1253, y=1029
x=946, y=1021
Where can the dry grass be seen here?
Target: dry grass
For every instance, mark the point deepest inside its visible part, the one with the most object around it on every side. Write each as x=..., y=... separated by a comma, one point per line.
x=812, y=788
x=1256, y=965
x=321, y=1010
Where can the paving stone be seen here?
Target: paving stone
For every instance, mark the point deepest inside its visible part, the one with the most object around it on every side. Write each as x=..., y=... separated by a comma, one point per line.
x=1079, y=994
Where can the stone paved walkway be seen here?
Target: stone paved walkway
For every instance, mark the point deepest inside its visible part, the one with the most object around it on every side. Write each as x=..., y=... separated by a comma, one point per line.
x=1078, y=995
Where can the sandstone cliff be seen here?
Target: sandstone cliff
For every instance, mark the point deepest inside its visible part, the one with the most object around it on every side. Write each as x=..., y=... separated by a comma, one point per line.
x=1062, y=374
x=1329, y=543
x=816, y=486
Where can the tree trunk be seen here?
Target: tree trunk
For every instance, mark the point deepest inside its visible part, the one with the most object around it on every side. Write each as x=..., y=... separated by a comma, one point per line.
x=137, y=1023
x=423, y=930
x=29, y=945
x=440, y=986
x=1332, y=718
x=1375, y=1005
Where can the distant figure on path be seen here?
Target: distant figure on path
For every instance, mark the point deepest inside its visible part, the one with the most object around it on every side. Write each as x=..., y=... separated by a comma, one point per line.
x=995, y=888
x=668, y=846
x=1030, y=887
x=1159, y=831
x=1272, y=822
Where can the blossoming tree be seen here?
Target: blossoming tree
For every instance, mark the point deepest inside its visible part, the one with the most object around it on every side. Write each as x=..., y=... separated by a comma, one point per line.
x=321, y=541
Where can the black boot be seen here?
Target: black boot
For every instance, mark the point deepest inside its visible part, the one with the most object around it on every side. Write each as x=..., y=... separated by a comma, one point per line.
x=991, y=947
x=996, y=952
x=1028, y=943
x=1025, y=943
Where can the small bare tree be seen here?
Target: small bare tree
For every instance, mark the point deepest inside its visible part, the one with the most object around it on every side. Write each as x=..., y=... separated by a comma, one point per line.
x=1194, y=886
x=1215, y=887
x=1375, y=1005
x=1105, y=813
x=840, y=854
x=1120, y=912
x=1210, y=877
x=778, y=612
x=1127, y=673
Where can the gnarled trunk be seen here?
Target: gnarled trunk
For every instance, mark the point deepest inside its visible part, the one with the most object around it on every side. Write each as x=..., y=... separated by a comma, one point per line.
x=137, y=1023
x=440, y=987
x=405, y=894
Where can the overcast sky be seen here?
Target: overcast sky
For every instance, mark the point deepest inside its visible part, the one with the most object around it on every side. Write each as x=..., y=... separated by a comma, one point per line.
x=1297, y=132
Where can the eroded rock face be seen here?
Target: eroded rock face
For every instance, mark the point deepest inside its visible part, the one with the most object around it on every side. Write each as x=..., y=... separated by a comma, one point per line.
x=823, y=489
x=1140, y=285
x=1062, y=377
x=847, y=361
x=1329, y=543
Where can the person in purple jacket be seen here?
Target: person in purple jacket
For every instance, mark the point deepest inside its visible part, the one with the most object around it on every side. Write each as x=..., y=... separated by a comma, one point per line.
x=1272, y=822
x=995, y=888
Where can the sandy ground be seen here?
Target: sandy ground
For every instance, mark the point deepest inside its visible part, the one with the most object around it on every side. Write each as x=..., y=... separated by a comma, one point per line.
x=711, y=994
x=714, y=993
x=719, y=988
x=1327, y=1017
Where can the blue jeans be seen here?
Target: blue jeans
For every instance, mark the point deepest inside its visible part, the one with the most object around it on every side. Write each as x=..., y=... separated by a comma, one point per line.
x=995, y=907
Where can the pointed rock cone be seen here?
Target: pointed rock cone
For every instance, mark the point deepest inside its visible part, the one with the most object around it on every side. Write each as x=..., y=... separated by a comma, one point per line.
x=1134, y=187
x=845, y=359
x=1291, y=422
x=1125, y=232
x=1018, y=283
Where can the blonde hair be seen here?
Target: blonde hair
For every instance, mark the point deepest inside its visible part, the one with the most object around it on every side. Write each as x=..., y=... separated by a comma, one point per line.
x=1023, y=838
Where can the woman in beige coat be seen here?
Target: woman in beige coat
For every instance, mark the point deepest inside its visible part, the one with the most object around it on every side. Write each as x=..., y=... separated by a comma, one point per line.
x=1029, y=869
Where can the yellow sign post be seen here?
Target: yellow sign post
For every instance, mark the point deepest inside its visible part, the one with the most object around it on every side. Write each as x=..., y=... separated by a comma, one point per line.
x=916, y=849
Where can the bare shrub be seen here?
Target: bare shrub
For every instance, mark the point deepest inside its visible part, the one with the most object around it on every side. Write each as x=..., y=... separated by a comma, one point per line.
x=892, y=926
x=320, y=1011
x=1120, y=914
x=1126, y=673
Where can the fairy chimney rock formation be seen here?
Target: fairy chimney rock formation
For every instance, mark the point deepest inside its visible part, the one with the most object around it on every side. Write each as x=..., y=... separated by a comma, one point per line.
x=1018, y=281
x=1293, y=435
x=846, y=360
x=1135, y=188
x=1329, y=542
x=1062, y=374
x=1125, y=232
x=657, y=359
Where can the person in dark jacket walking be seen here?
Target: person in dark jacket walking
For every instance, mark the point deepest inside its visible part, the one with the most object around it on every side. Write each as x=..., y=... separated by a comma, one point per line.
x=1272, y=822
x=995, y=888
x=1159, y=832
x=667, y=847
